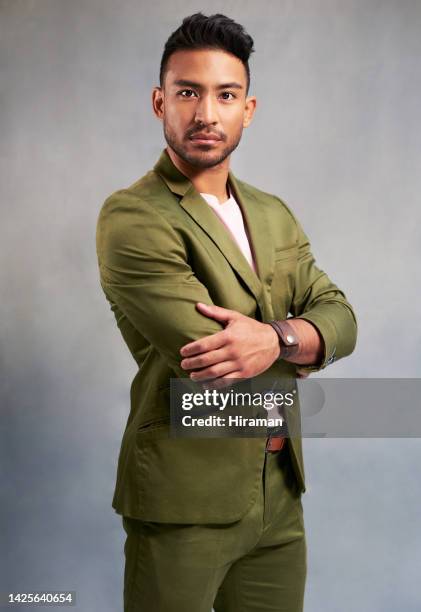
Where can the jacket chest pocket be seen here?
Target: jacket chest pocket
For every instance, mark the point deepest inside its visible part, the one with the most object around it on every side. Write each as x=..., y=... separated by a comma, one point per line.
x=283, y=282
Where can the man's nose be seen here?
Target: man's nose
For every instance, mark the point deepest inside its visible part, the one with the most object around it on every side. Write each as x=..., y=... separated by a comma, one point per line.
x=206, y=111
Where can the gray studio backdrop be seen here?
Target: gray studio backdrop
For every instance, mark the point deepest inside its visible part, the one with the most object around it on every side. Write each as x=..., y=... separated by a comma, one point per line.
x=336, y=135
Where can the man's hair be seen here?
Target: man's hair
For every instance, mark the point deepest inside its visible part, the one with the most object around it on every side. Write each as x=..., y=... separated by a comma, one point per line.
x=214, y=32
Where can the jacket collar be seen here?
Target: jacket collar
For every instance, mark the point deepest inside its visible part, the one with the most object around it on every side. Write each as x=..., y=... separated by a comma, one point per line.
x=255, y=220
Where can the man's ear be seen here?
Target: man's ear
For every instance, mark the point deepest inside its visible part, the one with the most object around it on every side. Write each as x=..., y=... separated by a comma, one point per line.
x=158, y=102
x=249, y=109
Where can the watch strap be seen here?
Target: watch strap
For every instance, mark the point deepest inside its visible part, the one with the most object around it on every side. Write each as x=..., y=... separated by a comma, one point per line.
x=288, y=340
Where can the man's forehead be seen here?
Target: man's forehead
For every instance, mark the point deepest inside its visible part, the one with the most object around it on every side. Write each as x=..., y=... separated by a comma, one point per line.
x=205, y=67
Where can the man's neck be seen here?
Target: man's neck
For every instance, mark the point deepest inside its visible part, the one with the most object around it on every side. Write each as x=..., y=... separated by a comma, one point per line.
x=205, y=180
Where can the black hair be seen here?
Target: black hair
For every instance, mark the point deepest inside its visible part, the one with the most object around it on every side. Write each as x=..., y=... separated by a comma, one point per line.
x=214, y=32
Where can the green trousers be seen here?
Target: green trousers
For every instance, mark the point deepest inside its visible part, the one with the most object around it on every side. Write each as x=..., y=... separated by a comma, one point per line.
x=257, y=564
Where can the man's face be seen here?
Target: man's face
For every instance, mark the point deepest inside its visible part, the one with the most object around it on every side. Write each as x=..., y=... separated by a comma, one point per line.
x=204, y=93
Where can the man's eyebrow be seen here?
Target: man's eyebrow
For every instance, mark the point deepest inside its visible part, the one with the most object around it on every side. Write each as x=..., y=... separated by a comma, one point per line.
x=186, y=83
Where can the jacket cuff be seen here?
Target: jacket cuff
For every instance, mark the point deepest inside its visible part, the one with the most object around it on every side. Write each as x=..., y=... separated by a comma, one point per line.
x=329, y=336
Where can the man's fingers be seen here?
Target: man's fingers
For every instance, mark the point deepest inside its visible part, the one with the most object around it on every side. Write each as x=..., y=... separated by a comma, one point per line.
x=203, y=360
x=208, y=343
x=214, y=371
x=222, y=381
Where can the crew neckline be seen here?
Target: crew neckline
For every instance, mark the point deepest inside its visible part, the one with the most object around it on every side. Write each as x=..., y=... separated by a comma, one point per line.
x=215, y=200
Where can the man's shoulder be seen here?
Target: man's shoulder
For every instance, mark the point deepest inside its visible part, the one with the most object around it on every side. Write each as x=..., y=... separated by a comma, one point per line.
x=137, y=197
x=138, y=193
x=134, y=215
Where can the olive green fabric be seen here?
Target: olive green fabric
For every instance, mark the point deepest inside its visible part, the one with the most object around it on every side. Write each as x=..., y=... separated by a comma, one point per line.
x=257, y=564
x=161, y=249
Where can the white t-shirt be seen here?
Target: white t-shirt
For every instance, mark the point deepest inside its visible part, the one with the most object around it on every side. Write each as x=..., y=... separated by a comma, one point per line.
x=230, y=214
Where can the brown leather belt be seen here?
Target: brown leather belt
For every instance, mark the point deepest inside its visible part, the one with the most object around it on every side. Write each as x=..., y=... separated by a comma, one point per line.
x=275, y=444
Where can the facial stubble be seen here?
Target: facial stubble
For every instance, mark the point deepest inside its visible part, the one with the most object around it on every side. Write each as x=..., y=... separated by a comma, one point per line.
x=201, y=159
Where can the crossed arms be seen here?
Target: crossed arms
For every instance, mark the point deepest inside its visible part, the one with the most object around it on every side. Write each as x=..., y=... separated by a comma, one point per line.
x=146, y=273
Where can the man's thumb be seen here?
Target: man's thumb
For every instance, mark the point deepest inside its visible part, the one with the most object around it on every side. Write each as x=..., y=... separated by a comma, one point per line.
x=215, y=312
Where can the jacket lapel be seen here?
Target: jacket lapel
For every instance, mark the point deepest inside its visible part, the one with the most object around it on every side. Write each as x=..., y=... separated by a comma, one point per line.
x=255, y=220
x=258, y=229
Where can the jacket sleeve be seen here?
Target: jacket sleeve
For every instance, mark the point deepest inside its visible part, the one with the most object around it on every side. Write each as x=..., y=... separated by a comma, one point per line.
x=318, y=300
x=144, y=270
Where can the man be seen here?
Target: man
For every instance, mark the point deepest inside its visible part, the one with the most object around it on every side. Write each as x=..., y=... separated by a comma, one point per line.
x=202, y=270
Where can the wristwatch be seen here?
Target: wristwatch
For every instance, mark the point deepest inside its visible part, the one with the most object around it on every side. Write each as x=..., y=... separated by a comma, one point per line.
x=288, y=340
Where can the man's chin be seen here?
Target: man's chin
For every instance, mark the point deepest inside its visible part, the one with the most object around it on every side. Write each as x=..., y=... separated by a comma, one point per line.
x=206, y=162
x=204, y=159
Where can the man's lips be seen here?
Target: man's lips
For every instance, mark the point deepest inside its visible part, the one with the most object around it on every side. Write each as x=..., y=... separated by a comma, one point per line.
x=205, y=138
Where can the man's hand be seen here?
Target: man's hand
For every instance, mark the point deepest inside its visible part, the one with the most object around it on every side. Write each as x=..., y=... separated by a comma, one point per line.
x=245, y=348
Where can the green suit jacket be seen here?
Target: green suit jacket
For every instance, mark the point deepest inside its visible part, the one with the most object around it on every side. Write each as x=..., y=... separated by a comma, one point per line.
x=161, y=249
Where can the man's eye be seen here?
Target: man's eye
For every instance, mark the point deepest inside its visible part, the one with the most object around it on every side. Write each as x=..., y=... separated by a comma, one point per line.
x=190, y=91
x=184, y=90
